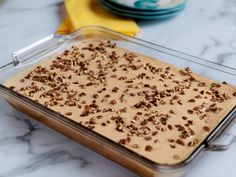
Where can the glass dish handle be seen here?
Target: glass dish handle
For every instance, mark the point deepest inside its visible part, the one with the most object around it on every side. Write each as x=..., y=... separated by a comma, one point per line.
x=38, y=48
x=224, y=141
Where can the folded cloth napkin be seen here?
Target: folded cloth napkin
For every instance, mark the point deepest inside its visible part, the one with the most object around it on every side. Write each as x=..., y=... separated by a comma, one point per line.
x=89, y=12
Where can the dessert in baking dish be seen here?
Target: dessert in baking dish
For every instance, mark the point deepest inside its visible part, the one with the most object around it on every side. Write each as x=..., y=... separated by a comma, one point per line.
x=156, y=110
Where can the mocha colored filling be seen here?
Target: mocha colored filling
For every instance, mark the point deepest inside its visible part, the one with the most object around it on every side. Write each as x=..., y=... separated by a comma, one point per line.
x=154, y=109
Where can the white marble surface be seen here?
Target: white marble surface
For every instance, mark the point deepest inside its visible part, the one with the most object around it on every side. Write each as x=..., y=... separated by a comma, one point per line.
x=29, y=149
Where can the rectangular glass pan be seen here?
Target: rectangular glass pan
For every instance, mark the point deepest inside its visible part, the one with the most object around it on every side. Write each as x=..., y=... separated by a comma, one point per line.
x=55, y=44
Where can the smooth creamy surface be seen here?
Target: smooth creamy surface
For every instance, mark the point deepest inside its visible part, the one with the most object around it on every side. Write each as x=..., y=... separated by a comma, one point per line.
x=154, y=109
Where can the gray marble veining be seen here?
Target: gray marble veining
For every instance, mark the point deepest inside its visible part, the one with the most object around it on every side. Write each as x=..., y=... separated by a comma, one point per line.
x=29, y=149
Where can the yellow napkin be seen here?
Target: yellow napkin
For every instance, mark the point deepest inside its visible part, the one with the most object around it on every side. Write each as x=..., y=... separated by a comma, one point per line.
x=89, y=12
x=66, y=26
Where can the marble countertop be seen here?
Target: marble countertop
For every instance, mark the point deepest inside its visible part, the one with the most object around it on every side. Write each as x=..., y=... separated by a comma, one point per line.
x=30, y=149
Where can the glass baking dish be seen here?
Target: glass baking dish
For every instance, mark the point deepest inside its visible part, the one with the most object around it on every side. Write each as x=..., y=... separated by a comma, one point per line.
x=220, y=138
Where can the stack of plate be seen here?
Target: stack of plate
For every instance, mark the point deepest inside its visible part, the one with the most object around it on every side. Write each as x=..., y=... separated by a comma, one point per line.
x=145, y=9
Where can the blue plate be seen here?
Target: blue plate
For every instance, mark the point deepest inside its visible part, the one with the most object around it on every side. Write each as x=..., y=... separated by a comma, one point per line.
x=151, y=5
x=135, y=12
x=143, y=17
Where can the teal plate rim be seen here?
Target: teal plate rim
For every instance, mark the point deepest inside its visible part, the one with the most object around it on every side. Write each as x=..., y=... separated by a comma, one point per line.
x=122, y=10
x=143, y=17
x=145, y=8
